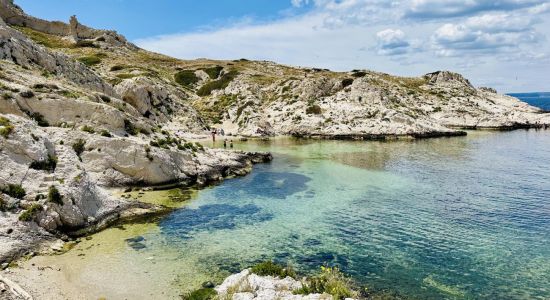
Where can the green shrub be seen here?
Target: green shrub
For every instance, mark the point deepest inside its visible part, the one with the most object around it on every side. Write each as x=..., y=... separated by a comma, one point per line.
x=117, y=68
x=201, y=294
x=106, y=133
x=269, y=268
x=130, y=128
x=26, y=94
x=3, y=204
x=359, y=74
x=90, y=60
x=29, y=214
x=148, y=153
x=39, y=118
x=48, y=164
x=330, y=281
x=313, y=109
x=14, y=190
x=86, y=44
x=88, y=129
x=213, y=72
x=7, y=127
x=347, y=82
x=219, y=84
x=186, y=78
x=79, y=147
x=54, y=196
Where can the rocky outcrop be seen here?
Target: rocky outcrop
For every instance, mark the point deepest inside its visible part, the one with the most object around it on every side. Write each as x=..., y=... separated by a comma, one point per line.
x=248, y=286
x=16, y=47
x=14, y=15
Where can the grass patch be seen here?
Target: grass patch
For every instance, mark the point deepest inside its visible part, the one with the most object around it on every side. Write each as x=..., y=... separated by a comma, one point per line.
x=90, y=60
x=219, y=84
x=201, y=294
x=54, y=196
x=44, y=39
x=14, y=190
x=213, y=72
x=29, y=214
x=126, y=76
x=186, y=78
x=330, y=281
x=7, y=127
x=48, y=164
x=269, y=268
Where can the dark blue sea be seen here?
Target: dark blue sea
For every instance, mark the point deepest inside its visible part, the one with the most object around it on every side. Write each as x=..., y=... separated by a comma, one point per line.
x=541, y=100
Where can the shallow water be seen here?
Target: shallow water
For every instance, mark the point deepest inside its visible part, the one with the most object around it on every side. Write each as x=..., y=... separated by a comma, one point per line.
x=454, y=218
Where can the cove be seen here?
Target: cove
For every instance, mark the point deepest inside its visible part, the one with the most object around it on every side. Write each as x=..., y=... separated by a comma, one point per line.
x=452, y=218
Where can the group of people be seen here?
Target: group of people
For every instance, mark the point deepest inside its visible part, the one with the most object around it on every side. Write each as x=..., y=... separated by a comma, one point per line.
x=222, y=133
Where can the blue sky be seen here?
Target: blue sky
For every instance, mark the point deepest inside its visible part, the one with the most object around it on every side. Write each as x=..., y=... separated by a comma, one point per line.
x=501, y=43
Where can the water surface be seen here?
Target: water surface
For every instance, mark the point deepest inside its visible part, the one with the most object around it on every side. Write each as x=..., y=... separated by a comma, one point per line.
x=452, y=218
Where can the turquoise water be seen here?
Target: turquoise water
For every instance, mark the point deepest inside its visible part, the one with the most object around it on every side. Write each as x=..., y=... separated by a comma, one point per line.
x=457, y=218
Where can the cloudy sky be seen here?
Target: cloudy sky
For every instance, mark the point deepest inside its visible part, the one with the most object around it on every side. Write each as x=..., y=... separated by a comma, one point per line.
x=502, y=43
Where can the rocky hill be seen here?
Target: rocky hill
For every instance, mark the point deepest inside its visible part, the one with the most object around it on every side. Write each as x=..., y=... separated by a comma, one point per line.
x=69, y=132
x=82, y=110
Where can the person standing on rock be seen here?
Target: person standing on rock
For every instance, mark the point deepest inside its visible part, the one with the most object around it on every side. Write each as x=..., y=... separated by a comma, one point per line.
x=214, y=135
x=225, y=143
x=231, y=144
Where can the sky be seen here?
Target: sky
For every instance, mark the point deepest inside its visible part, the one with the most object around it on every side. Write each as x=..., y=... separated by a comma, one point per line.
x=502, y=44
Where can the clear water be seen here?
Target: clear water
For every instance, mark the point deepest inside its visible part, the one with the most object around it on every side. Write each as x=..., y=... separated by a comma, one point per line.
x=457, y=218
x=541, y=100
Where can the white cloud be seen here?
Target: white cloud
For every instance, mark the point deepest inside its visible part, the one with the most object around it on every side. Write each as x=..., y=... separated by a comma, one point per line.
x=432, y=9
x=385, y=36
x=489, y=33
x=392, y=42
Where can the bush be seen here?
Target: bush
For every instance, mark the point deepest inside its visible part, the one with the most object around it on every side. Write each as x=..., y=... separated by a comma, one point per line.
x=330, y=281
x=39, y=118
x=269, y=268
x=130, y=128
x=347, y=82
x=313, y=109
x=3, y=204
x=105, y=99
x=86, y=44
x=201, y=294
x=14, y=190
x=54, y=196
x=29, y=214
x=26, y=94
x=117, y=68
x=186, y=78
x=48, y=164
x=90, y=60
x=79, y=147
x=88, y=129
x=219, y=84
x=358, y=74
x=148, y=153
x=7, y=127
x=213, y=72
x=106, y=133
